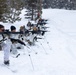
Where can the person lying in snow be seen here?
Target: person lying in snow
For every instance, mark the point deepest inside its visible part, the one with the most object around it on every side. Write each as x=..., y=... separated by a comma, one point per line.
x=41, y=21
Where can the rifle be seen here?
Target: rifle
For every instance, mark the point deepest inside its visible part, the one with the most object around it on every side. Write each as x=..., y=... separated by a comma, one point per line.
x=2, y=40
x=17, y=40
x=12, y=39
x=45, y=27
x=41, y=23
x=36, y=32
x=8, y=32
x=21, y=32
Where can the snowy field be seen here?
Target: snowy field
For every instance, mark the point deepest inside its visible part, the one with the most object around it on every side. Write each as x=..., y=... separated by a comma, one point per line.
x=56, y=53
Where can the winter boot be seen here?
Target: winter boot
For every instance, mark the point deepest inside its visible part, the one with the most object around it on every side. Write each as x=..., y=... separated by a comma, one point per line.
x=6, y=62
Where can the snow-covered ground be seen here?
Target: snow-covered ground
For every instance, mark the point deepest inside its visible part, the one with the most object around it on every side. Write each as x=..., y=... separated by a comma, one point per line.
x=56, y=53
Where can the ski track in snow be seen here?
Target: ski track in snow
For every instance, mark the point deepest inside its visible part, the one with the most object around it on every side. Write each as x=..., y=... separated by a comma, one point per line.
x=67, y=36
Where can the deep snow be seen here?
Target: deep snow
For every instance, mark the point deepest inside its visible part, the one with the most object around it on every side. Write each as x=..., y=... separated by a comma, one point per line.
x=56, y=52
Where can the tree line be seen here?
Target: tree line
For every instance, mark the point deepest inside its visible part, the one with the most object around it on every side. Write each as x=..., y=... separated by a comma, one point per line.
x=11, y=9
x=61, y=4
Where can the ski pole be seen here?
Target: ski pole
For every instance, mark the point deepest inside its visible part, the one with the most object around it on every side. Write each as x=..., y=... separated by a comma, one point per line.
x=43, y=48
x=47, y=42
x=48, y=45
x=30, y=59
x=28, y=47
x=32, y=49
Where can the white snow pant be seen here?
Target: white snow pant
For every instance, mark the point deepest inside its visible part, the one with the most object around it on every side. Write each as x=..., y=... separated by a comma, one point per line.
x=14, y=48
x=6, y=48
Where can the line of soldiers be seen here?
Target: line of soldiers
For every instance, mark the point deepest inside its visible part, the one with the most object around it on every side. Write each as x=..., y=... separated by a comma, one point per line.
x=12, y=40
